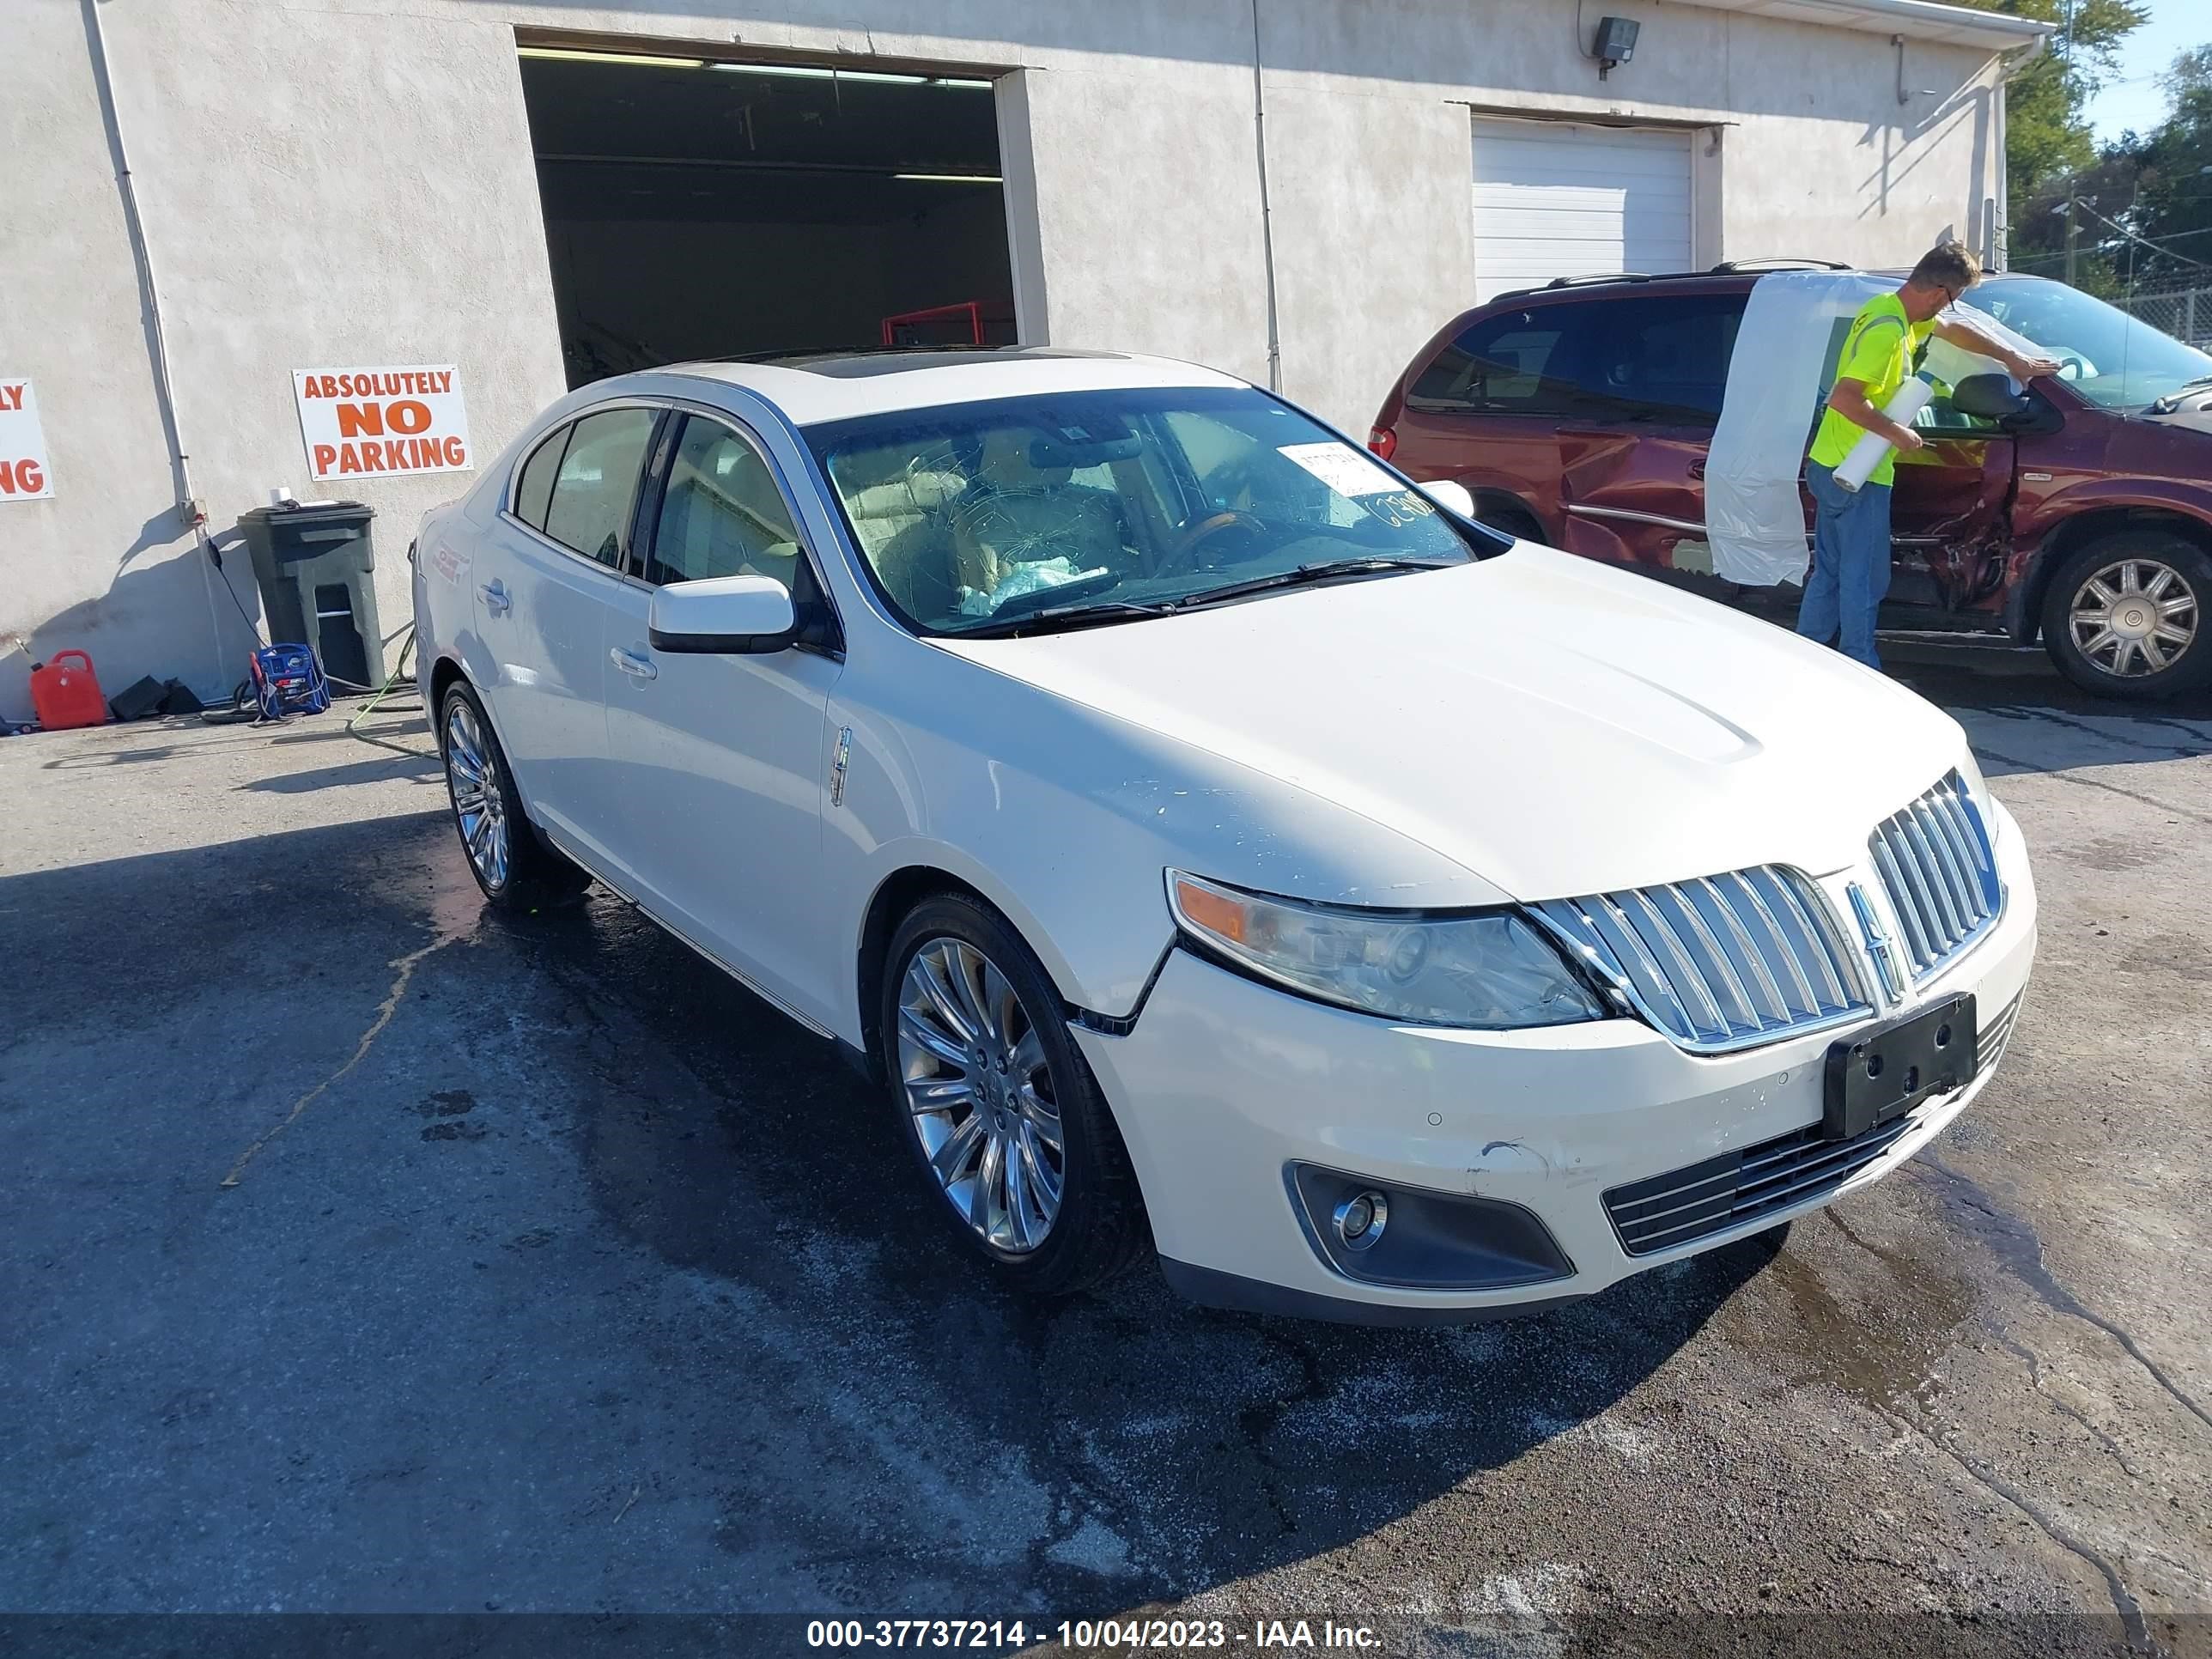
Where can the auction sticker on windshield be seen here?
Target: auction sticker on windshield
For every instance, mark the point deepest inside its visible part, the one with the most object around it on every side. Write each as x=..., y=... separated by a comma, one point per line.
x=1343, y=469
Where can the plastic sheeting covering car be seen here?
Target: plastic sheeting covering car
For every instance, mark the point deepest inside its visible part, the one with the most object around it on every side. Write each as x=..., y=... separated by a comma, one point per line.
x=1755, y=517
x=1792, y=326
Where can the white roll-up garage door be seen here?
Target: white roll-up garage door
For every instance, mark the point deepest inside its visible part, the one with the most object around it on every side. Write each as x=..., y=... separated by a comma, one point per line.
x=1552, y=199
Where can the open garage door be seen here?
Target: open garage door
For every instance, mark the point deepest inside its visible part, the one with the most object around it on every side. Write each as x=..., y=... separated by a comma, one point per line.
x=711, y=209
x=1552, y=199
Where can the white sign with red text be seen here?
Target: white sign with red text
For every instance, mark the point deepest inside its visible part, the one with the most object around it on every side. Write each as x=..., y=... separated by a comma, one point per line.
x=25, y=475
x=357, y=423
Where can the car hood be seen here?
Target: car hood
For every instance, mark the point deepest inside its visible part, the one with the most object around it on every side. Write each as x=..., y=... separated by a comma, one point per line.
x=1553, y=726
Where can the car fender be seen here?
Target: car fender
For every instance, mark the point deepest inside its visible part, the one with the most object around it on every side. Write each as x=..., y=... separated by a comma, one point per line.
x=443, y=583
x=1065, y=818
x=2060, y=521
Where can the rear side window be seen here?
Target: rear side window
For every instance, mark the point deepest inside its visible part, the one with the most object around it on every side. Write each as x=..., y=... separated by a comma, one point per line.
x=533, y=485
x=596, y=483
x=1658, y=358
x=1513, y=362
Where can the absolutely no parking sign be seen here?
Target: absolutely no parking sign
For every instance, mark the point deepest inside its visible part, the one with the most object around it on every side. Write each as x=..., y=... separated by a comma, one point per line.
x=398, y=420
x=24, y=474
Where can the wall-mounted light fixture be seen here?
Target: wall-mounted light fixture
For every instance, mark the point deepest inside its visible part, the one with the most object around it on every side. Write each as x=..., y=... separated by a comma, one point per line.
x=1615, y=43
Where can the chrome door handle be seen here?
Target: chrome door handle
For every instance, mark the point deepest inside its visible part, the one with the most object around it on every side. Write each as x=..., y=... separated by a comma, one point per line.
x=496, y=598
x=631, y=663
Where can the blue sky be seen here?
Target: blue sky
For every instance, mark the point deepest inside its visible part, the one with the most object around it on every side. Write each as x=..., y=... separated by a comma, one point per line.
x=2133, y=97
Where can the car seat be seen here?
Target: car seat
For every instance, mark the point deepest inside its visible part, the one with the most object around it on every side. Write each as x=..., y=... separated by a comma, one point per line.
x=894, y=500
x=726, y=521
x=1016, y=512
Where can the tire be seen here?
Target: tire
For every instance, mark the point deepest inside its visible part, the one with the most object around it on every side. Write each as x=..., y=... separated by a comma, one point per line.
x=2113, y=604
x=961, y=994
x=1509, y=521
x=517, y=871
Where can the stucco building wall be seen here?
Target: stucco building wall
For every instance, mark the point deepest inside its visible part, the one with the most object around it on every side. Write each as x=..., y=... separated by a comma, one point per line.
x=328, y=182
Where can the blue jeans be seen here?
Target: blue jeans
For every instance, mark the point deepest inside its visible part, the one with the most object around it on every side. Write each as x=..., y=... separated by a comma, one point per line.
x=1851, y=563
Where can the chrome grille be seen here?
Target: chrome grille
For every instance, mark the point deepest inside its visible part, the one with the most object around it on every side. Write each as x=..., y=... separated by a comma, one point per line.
x=1683, y=1206
x=1722, y=963
x=1936, y=863
x=1990, y=1042
x=1703, y=1199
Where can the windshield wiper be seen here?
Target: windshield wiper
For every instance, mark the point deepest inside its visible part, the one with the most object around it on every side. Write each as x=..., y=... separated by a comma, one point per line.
x=1060, y=619
x=1326, y=571
x=2172, y=401
x=1057, y=595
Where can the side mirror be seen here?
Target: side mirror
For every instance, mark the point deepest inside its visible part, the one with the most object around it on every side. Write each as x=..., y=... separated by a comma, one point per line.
x=1451, y=496
x=1989, y=396
x=723, y=616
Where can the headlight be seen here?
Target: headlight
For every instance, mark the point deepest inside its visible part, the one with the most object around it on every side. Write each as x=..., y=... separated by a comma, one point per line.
x=1977, y=790
x=1489, y=972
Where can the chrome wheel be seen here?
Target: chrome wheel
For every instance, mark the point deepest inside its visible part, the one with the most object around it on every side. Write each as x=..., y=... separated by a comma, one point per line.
x=2134, y=617
x=980, y=1091
x=478, y=805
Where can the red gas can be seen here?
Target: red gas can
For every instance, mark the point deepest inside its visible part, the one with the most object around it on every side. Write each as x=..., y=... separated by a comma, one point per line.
x=63, y=695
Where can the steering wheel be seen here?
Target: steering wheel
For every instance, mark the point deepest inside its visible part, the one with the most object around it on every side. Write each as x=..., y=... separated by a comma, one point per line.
x=1183, y=553
x=2079, y=366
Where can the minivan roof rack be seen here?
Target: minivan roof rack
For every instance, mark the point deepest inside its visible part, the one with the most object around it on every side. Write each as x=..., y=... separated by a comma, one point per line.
x=1729, y=267
x=1558, y=283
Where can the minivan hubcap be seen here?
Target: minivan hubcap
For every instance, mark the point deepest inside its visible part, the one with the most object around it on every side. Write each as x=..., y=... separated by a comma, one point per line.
x=477, y=801
x=980, y=1092
x=2134, y=617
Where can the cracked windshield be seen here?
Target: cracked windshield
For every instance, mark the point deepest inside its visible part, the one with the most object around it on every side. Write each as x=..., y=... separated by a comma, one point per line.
x=1081, y=508
x=2114, y=359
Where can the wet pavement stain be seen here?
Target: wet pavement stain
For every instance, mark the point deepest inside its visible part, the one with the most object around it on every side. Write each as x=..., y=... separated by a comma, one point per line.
x=2015, y=1244
x=2114, y=852
x=1882, y=1349
x=1883, y=1353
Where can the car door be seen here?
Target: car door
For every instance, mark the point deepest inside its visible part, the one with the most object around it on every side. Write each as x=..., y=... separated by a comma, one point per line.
x=1486, y=411
x=721, y=761
x=1651, y=373
x=543, y=600
x=1950, y=506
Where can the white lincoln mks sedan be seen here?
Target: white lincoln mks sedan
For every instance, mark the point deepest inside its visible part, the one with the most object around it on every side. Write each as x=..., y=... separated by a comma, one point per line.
x=1213, y=843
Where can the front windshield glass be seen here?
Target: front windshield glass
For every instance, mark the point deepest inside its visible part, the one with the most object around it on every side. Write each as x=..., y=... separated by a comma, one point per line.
x=974, y=515
x=2115, y=359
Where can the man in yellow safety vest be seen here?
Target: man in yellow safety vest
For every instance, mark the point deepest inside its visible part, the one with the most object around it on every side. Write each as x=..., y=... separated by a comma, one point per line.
x=1850, y=528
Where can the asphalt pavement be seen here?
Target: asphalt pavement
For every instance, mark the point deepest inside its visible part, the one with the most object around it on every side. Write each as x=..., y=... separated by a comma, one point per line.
x=364, y=1252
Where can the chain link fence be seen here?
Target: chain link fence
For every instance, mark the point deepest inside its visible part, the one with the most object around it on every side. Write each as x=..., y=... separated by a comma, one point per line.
x=2185, y=313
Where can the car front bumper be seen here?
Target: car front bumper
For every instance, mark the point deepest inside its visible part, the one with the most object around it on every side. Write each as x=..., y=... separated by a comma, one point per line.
x=1225, y=1088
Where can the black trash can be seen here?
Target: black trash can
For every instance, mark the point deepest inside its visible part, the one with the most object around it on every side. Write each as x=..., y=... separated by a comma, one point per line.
x=315, y=567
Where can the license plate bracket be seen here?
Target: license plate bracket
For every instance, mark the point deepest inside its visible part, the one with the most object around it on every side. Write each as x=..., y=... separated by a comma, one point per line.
x=1886, y=1073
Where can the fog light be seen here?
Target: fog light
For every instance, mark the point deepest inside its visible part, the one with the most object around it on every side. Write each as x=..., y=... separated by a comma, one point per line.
x=1360, y=1220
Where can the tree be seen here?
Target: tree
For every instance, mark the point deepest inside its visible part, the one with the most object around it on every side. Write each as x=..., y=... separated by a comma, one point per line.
x=2046, y=140
x=2173, y=203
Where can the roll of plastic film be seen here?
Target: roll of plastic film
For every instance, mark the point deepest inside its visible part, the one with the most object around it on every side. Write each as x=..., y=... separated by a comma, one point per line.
x=1866, y=454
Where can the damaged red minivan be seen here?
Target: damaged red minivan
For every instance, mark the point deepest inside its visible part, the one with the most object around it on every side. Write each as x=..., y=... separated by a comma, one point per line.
x=2080, y=509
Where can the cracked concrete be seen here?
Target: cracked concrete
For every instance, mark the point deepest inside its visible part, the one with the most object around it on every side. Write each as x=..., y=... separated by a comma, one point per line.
x=578, y=1280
